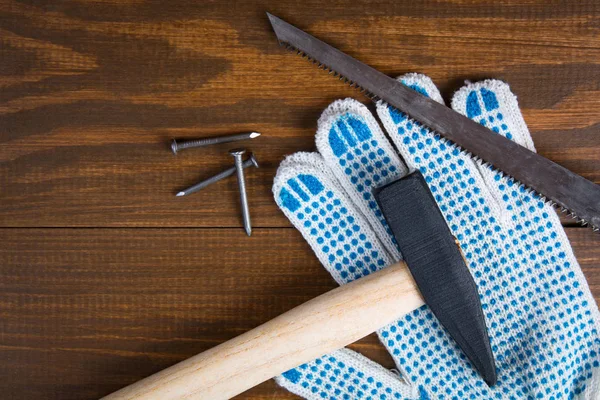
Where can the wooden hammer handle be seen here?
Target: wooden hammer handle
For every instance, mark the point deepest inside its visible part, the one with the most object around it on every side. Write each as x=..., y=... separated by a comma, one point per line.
x=317, y=327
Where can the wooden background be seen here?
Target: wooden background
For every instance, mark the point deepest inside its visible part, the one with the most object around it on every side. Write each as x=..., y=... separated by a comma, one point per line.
x=105, y=276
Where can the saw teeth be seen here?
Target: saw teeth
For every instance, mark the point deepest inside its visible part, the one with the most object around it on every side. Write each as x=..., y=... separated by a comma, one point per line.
x=330, y=70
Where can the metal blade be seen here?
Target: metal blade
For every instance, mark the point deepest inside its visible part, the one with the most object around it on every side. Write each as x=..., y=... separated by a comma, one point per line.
x=564, y=188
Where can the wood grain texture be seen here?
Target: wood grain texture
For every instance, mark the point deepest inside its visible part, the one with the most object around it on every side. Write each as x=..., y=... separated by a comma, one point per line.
x=106, y=277
x=91, y=93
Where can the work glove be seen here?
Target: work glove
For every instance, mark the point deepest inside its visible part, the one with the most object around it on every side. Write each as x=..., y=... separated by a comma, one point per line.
x=541, y=317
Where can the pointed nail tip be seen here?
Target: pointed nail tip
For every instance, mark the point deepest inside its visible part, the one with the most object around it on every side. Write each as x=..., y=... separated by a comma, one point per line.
x=180, y=194
x=255, y=135
x=249, y=232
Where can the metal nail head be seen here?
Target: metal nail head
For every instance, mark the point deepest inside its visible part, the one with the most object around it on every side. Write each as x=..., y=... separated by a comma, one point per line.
x=250, y=162
x=177, y=146
x=237, y=155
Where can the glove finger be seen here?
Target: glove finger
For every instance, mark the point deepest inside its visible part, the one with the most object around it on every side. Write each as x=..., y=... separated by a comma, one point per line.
x=314, y=202
x=492, y=104
x=453, y=177
x=345, y=374
x=361, y=158
x=344, y=242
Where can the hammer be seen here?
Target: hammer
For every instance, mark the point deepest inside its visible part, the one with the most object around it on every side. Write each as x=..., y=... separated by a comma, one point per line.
x=433, y=272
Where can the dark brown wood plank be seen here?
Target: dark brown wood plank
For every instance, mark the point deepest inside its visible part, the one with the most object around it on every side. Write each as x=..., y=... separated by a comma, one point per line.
x=87, y=311
x=91, y=94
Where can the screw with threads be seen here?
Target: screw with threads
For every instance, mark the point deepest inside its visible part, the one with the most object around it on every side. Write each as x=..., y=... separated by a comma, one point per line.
x=250, y=162
x=237, y=154
x=177, y=146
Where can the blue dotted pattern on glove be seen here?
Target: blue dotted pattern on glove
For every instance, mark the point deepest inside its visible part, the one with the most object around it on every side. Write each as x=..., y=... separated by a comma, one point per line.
x=323, y=215
x=355, y=156
x=329, y=378
x=356, y=152
x=487, y=115
x=542, y=325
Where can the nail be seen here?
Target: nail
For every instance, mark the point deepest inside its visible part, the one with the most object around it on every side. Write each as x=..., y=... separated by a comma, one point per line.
x=177, y=146
x=237, y=154
x=251, y=161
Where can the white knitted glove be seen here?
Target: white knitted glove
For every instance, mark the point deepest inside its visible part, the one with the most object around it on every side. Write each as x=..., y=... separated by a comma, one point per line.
x=541, y=318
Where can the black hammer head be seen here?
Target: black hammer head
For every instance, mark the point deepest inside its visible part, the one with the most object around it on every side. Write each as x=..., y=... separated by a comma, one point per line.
x=438, y=267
